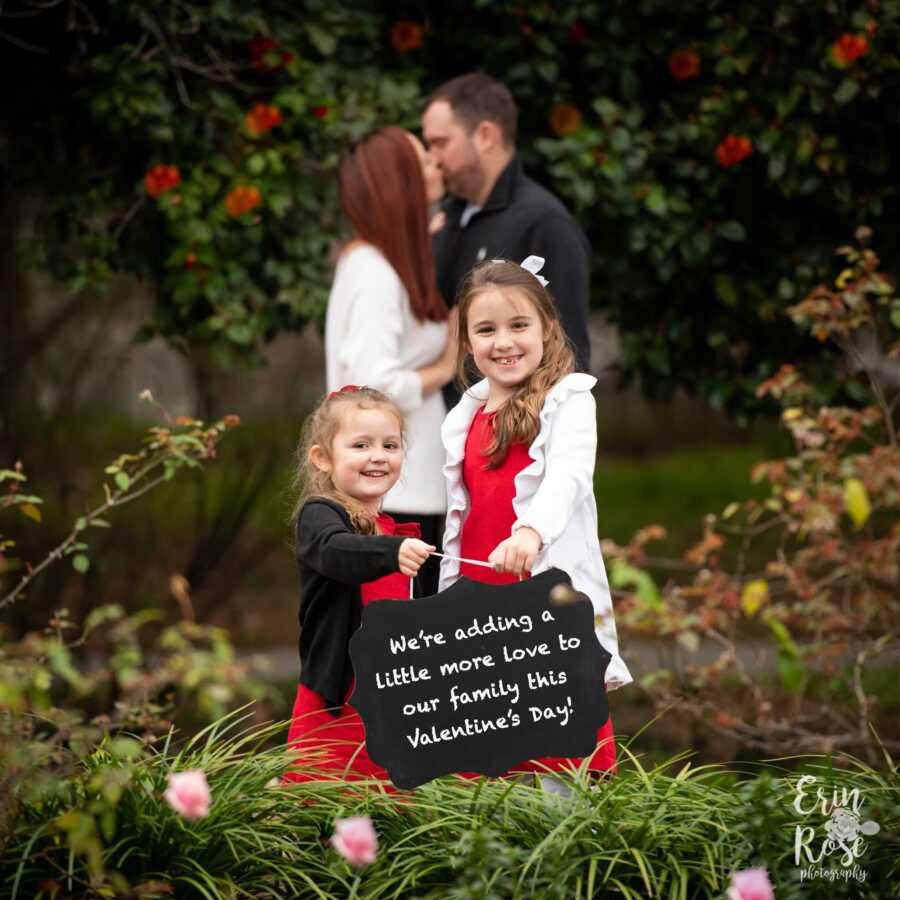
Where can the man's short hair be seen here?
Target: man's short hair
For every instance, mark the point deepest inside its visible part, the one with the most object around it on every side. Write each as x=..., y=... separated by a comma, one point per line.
x=477, y=97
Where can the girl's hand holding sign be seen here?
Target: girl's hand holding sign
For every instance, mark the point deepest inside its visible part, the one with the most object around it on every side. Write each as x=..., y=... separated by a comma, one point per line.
x=517, y=553
x=412, y=554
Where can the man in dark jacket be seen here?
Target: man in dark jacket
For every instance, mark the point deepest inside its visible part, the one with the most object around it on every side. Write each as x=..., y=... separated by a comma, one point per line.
x=495, y=210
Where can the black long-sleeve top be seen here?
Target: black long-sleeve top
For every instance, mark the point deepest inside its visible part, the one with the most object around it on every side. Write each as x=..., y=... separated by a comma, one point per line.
x=334, y=560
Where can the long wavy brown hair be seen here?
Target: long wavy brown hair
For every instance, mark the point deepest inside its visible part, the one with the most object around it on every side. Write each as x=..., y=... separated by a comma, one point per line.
x=518, y=419
x=383, y=195
x=320, y=428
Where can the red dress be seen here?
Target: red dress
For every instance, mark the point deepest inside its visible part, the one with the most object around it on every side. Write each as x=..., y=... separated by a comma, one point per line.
x=489, y=521
x=337, y=744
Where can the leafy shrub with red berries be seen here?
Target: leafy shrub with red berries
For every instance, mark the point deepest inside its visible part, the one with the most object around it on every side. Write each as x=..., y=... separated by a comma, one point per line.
x=714, y=157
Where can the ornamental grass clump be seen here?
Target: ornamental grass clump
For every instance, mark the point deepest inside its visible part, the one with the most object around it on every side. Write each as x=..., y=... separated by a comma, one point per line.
x=667, y=831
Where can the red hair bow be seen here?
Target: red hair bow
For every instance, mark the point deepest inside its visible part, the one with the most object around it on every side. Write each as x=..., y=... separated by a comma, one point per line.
x=346, y=389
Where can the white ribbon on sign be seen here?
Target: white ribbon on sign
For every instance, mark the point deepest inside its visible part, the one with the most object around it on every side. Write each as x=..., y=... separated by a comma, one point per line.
x=474, y=562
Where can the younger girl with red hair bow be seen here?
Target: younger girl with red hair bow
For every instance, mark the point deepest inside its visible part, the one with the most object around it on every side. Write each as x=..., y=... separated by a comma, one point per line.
x=349, y=554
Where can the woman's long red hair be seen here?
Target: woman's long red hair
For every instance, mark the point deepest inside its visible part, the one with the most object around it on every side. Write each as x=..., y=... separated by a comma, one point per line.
x=383, y=195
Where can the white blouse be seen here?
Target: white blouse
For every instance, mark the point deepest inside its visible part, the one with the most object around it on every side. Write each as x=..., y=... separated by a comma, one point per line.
x=373, y=338
x=554, y=496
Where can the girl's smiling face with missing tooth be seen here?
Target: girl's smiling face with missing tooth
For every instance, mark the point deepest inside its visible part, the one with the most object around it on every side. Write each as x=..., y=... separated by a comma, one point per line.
x=506, y=337
x=366, y=455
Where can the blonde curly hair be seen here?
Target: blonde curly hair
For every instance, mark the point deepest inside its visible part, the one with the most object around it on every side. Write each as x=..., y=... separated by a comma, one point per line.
x=320, y=429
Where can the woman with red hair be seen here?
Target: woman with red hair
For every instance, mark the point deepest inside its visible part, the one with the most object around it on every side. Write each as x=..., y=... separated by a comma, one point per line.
x=387, y=325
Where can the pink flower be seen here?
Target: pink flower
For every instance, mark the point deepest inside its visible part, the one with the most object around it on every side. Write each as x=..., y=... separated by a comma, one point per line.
x=355, y=840
x=751, y=884
x=188, y=794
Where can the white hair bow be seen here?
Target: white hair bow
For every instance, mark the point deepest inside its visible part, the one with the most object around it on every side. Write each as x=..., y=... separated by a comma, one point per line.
x=534, y=264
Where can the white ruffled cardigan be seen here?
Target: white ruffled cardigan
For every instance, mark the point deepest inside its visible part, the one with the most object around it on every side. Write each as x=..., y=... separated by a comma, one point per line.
x=554, y=496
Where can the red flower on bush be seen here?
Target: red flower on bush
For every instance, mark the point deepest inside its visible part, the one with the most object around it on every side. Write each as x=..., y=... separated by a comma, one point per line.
x=406, y=36
x=732, y=150
x=565, y=119
x=319, y=111
x=242, y=199
x=848, y=48
x=684, y=64
x=265, y=55
x=262, y=118
x=578, y=32
x=161, y=178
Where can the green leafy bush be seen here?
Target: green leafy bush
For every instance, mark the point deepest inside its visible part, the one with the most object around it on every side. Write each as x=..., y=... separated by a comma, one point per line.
x=200, y=150
x=715, y=154
x=81, y=705
x=826, y=595
x=714, y=160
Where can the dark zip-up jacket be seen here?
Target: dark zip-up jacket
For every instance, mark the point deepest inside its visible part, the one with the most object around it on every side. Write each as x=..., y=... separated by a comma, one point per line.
x=334, y=560
x=521, y=218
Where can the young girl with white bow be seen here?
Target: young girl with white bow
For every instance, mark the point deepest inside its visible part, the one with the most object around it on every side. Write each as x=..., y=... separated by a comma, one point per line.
x=521, y=446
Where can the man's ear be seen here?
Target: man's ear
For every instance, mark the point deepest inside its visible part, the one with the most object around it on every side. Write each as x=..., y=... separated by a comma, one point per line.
x=319, y=458
x=487, y=135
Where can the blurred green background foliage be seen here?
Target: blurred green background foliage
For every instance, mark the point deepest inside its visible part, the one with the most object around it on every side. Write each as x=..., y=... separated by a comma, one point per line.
x=715, y=153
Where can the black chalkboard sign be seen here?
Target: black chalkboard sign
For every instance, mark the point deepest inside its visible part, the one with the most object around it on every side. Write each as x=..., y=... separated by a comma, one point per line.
x=478, y=678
